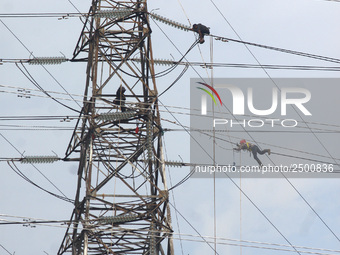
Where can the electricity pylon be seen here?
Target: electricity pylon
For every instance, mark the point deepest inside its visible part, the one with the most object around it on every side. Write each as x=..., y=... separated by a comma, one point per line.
x=121, y=203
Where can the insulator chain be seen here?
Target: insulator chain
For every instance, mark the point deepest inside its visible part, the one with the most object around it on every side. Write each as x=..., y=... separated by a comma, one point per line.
x=167, y=62
x=118, y=219
x=174, y=163
x=112, y=116
x=39, y=159
x=47, y=61
x=171, y=163
x=152, y=239
x=149, y=142
x=170, y=22
x=116, y=13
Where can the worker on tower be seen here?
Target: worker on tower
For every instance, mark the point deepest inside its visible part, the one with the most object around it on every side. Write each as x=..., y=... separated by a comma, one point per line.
x=201, y=30
x=120, y=98
x=243, y=145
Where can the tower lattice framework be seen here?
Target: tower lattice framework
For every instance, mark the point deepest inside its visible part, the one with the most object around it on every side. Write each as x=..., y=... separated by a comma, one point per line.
x=121, y=204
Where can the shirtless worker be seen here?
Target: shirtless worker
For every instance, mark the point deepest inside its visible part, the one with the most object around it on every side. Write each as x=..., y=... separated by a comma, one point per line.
x=201, y=30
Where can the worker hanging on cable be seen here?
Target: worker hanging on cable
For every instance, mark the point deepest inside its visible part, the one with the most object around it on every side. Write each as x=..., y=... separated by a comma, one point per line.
x=252, y=148
x=120, y=98
x=201, y=30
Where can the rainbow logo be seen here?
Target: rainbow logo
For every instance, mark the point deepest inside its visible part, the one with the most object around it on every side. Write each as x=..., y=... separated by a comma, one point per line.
x=209, y=93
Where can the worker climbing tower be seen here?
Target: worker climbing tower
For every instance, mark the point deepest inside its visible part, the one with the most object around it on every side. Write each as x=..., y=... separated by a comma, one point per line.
x=121, y=204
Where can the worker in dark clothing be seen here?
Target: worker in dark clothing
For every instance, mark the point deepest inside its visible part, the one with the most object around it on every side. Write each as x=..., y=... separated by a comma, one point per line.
x=201, y=30
x=120, y=98
x=252, y=148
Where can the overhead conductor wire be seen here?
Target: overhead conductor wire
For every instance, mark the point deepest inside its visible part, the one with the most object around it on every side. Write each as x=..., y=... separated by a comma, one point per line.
x=16, y=170
x=40, y=64
x=328, y=59
x=332, y=60
x=225, y=173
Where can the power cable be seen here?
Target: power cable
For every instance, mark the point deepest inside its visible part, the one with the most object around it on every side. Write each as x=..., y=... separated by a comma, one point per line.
x=36, y=84
x=173, y=198
x=302, y=198
x=21, y=174
x=169, y=70
x=35, y=117
x=75, y=7
x=234, y=242
x=175, y=81
x=217, y=64
x=239, y=189
x=5, y=249
x=62, y=15
x=34, y=56
x=273, y=152
x=222, y=241
x=304, y=54
x=298, y=53
x=225, y=39
x=193, y=227
x=211, y=158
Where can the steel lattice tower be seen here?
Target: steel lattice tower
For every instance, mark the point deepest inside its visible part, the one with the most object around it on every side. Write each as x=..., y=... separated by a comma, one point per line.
x=121, y=203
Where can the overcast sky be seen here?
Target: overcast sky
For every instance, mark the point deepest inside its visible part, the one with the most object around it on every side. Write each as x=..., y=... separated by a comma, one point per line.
x=303, y=25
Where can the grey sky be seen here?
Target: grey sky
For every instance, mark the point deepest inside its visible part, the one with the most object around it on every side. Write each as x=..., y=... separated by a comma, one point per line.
x=302, y=25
